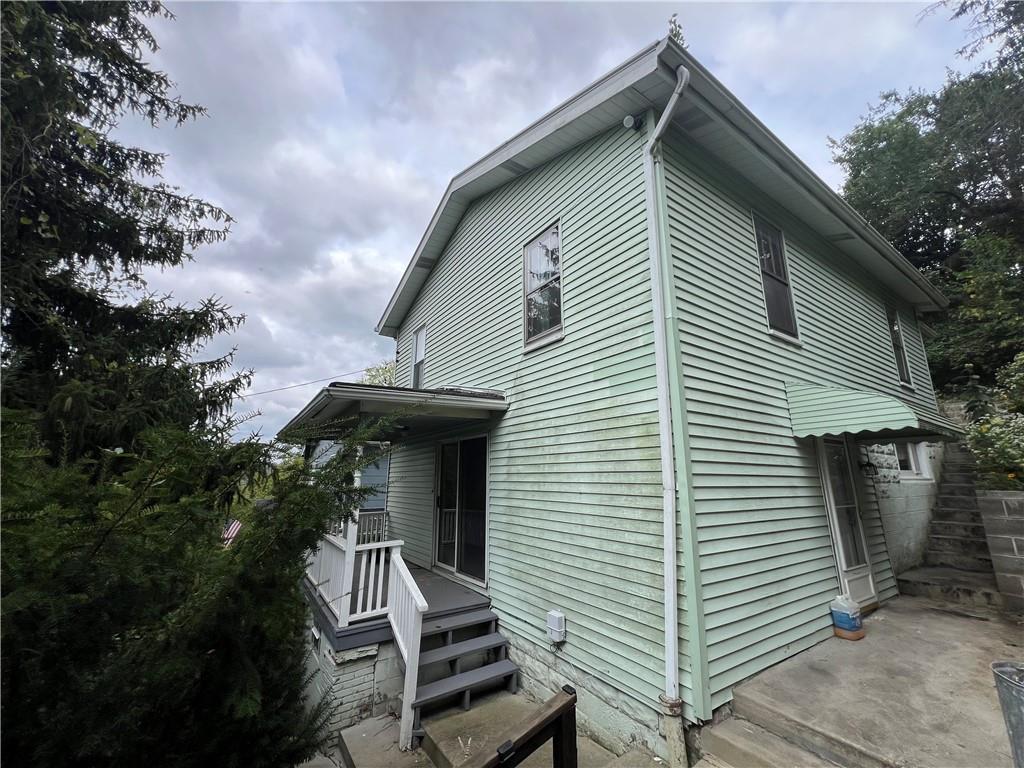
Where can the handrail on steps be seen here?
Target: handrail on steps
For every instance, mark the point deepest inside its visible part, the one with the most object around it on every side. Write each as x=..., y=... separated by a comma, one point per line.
x=406, y=606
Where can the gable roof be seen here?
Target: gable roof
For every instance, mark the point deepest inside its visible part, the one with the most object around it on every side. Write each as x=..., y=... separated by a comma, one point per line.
x=711, y=118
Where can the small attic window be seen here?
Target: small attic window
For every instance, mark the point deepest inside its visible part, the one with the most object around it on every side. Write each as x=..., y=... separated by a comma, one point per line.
x=543, y=304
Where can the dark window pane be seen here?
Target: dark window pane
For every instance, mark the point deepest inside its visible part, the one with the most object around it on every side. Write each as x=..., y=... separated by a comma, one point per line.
x=779, y=304
x=896, y=333
x=544, y=309
x=770, y=249
x=417, y=374
x=473, y=507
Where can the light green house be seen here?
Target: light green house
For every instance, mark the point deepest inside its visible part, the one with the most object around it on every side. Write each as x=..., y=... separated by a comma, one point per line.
x=641, y=348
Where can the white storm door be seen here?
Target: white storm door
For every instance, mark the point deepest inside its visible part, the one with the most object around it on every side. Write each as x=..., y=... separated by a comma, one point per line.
x=848, y=538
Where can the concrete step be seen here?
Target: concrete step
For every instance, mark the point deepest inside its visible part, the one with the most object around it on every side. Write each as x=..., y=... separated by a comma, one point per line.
x=464, y=682
x=938, y=559
x=956, y=501
x=970, y=588
x=957, y=476
x=463, y=648
x=454, y=737
x=956, y=488
x=821, y=743
x=957, y=528
x=712, y=761
x=455, y=621
x=742, y=743
x=952, y=514
x=962, y=545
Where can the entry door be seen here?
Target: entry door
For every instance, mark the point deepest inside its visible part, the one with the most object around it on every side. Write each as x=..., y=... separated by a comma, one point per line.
x=848, y=537
x=462, y=507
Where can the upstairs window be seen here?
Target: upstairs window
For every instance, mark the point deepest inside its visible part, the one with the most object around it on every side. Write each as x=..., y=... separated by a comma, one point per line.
x=778, y=299
x=543, y=286
x=419, y=356
x=898, y=348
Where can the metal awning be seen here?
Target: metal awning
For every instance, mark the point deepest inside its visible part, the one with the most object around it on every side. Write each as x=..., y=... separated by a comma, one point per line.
x=410, y=411
x=816, y=410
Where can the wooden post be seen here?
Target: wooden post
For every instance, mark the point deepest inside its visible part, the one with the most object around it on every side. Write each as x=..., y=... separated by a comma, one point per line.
x=563, y=740
x=345, y=601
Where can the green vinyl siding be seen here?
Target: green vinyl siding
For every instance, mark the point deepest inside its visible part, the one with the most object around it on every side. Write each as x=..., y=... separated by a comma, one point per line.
x=575, y=515
x=765, y=551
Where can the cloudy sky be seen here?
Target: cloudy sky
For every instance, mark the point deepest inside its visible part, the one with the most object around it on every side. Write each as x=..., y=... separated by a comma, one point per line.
x=334, y=128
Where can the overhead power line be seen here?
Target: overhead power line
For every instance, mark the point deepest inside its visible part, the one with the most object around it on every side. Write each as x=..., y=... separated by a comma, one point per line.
x=303, y=384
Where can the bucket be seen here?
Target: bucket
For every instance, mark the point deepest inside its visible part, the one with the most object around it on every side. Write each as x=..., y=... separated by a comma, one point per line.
x=1010, y=686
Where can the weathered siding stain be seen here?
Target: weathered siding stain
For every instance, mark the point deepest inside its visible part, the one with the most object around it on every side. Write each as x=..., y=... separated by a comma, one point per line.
x=766, y=556
x=575, y=485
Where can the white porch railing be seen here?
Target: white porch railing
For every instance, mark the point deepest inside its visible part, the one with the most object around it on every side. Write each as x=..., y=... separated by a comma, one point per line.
x=350, y=569
x=406, y=606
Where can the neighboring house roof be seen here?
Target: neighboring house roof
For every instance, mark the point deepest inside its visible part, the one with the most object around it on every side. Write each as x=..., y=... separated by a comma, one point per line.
x=715, y=121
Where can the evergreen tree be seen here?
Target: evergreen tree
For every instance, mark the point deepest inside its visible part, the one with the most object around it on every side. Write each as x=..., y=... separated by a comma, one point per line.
x=131, y=633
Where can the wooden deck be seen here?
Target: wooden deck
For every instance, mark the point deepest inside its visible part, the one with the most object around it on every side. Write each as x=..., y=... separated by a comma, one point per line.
x=443, y=595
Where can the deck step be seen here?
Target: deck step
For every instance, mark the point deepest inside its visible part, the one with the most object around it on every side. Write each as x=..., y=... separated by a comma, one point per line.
x=458, y=621
x=742, y=743
x=463, y=648
x=958, y=528
x=449, y=686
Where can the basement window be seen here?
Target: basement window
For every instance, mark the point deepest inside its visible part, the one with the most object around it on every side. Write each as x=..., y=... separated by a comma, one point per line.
x=543, y=286
x=913, y=465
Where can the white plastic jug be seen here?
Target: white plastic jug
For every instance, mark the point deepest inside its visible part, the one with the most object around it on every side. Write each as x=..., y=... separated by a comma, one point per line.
x=846, y=618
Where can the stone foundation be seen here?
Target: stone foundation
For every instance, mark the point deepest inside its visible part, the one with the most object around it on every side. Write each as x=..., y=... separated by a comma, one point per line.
x=614, y=720
x=1002, y=512
x=356, y=683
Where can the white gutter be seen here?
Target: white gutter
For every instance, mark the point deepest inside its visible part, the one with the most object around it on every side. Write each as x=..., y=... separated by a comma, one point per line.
x=668, y=477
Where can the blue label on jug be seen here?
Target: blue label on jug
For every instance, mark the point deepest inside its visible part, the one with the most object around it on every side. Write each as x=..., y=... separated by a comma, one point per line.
x=846, y=621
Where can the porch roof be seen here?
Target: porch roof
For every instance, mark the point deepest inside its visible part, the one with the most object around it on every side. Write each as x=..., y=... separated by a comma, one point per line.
x=412, y=411
x=816, y=410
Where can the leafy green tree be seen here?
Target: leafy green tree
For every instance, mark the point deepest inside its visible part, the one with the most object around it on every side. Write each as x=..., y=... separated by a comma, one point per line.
x=941, y=175
x=131, y=634
x=382, y=374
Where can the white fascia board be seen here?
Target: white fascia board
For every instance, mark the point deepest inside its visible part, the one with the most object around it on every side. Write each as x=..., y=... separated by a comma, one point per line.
x=730, y=110
x=436, y=236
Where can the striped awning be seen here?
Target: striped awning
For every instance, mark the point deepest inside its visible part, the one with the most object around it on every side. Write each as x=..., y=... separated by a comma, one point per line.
x=816, y=411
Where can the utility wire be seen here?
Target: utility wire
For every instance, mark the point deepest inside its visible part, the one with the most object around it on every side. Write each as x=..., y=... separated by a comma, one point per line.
x=303, y=384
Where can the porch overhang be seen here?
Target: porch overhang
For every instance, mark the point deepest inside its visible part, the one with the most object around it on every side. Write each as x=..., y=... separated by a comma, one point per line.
x=816, y=411
x=406, y=412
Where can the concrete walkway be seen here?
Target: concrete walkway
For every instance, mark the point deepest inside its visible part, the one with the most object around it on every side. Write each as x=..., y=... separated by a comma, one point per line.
x=917, y=691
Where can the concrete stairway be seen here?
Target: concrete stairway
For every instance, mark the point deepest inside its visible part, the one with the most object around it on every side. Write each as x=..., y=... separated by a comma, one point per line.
x=461, y=652
x=958, y=566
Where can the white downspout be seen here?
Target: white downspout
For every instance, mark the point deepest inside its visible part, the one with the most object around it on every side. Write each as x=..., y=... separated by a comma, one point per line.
x=671, y=701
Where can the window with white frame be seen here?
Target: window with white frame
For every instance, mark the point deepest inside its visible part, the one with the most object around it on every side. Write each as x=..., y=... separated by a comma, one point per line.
x=419, y=356
x=898, y=347
x=543, y=303
x=913, y=464
x=778, y=296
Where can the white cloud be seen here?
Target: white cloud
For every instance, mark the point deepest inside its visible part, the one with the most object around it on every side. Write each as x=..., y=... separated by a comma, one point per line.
x=334, y=129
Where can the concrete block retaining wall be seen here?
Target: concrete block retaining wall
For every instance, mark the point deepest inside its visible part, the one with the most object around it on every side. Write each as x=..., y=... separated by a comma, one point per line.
x=905, y=505
x=1003, y=515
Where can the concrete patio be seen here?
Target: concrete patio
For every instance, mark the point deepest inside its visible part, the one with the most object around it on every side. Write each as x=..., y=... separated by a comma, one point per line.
x=917, y=691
